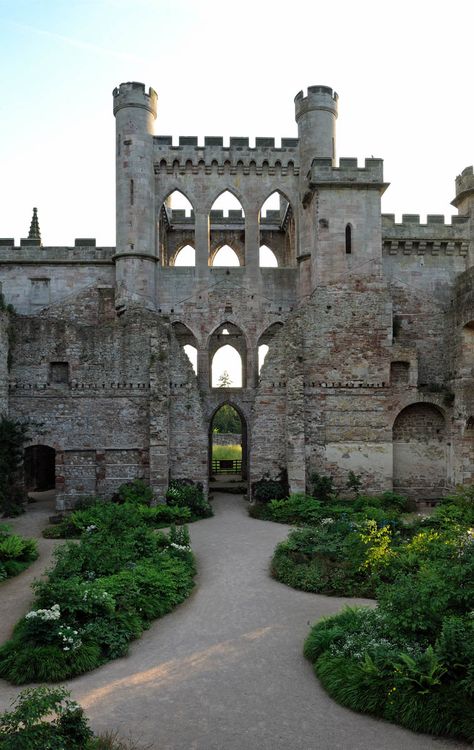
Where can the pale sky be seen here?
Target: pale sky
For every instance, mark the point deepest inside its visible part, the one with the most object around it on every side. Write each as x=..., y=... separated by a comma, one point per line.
x=403, y=72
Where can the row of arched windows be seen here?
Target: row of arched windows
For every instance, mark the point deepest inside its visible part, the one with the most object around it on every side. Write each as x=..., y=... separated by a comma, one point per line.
x=227, y=231
x=225, y=256
x=226, y=353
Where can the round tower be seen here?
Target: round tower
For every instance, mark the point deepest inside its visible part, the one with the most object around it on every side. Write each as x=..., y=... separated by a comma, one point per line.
x=464, y=200
x=316, y=115
x=135, y=113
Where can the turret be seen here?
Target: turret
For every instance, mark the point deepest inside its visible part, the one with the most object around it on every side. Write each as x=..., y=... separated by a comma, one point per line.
x=135, y=113
x=316, y=115
x=464, y=199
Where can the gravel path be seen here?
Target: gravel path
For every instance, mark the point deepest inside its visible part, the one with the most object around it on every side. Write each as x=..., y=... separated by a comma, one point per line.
x=225, y=670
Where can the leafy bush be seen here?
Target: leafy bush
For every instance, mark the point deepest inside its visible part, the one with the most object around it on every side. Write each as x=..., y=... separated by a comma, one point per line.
x=183, y=493
x=13, y=435
x=189, y=506
x=267, y=489
x=137, y=492
x=16, y=553
x=47, y=719
x=411, y=660
x=44, y=718
x=99, y=595
x=322, y=488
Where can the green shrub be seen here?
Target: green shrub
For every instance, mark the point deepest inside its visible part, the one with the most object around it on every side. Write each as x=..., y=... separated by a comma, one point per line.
x=183, y=493
x=137, y=492
x=16, y=553
x=13, y=435
x=99, y=595
x=267, y=489
x=44, y=718
x=322, y=488
x=411, y=660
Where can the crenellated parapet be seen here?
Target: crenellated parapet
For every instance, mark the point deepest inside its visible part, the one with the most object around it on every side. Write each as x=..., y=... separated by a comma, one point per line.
x=213, y=157
x=84, y=251
x=435, y=237
x=347, y=174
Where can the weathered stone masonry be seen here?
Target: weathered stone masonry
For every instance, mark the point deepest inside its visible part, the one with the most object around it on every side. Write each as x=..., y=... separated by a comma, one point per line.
x=370, y=323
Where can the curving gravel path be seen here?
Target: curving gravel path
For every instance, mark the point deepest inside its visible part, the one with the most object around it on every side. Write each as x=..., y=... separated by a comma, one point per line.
x=225, y=670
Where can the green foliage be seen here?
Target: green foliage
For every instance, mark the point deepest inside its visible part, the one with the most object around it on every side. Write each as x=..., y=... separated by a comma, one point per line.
x=183, y=493
x=267, y=489
x=16, y=553
x=44, y=719
x=137, y=492
x=322, y=488
x=13, y=435
x=411, y=660
x=295, y=509
x=227, y=420
x=99, y=595
x=354, y=483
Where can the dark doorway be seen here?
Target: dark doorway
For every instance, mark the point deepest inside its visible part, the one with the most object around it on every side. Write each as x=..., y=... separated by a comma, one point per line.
x=228, y=444
x=40, y=468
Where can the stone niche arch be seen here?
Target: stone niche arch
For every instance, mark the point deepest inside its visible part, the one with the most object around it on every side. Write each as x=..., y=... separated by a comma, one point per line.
x=228, y=334
x=175, y=226
x=419, y=437
x=39, y=462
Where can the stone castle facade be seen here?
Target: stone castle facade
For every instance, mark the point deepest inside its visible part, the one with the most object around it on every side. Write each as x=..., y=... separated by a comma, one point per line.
x=369, y=322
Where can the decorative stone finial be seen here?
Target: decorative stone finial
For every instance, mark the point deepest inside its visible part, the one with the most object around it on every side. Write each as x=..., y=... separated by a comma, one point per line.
x=34, y=233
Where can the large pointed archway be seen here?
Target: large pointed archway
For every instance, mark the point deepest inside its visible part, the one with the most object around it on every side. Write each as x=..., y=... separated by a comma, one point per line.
x=228, y=443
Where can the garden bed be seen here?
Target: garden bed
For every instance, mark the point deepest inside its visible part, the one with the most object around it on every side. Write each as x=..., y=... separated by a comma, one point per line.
x=100, y=594
x=411, y=659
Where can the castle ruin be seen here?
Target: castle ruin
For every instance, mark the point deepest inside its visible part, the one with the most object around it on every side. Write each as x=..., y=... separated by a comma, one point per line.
x=369, y=322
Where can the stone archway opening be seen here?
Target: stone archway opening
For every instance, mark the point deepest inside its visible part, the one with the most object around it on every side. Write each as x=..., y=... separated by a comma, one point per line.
x=228, y=446
x=39, y=463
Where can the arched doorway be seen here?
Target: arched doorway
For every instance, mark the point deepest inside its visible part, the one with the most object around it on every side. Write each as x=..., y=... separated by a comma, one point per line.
x=40, y=468
x=419, y=452
x=228, y=446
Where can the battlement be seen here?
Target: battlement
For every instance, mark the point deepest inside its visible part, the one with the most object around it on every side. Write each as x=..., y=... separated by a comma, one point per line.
x=317, y=97
x=348, y=173
x=411, y=220
x=464, y=186
x=434, y=237
x=215, y=156
x=84, y=251
x=133, y=94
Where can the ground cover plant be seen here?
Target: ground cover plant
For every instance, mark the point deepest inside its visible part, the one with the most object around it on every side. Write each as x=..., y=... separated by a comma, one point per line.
x=185, y=503
x=99, y=595
x=45, y=718
x=410, y=660
x=16, y=553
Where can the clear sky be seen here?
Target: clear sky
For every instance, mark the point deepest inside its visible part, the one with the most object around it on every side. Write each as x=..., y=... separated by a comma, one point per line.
x=403, y=72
